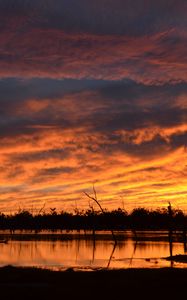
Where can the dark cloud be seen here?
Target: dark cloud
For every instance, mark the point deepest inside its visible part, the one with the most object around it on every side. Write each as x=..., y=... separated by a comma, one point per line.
x=36, y=156
x=92, y=91
x=178, y=140
x=57, y=171
x=13, y=89
x=98, y=106
x=141, y=119
x=146, y=40
x=139, y=16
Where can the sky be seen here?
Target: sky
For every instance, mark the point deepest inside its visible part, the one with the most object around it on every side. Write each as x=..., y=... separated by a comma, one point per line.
x=93, y=93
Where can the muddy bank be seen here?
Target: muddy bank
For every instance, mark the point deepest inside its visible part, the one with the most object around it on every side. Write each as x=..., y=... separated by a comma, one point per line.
x=30, y=283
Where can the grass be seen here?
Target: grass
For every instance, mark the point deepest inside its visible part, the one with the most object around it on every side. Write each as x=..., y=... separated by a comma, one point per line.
x=182, y=258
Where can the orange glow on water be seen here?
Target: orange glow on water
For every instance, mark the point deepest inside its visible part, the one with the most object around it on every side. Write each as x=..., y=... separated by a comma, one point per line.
x=83, y=253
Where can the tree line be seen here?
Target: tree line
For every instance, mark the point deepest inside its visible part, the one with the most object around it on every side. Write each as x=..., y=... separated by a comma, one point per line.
x=118, y=219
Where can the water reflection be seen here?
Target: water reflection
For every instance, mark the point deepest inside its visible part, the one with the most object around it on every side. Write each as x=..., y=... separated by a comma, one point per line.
x=80, y=250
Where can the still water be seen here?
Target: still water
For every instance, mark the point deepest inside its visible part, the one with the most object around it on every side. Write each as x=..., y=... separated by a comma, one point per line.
x=85, y=251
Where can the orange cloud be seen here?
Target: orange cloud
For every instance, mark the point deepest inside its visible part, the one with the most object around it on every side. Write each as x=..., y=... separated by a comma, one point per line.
x=86, y=137
x=60, y=165
x=86, y=99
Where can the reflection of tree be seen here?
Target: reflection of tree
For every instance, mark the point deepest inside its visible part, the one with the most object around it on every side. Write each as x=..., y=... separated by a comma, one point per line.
x=134, y=251
x=184, y=240
x=111, y=256
x=94, y=247
x=77, y=248
x=170, y=234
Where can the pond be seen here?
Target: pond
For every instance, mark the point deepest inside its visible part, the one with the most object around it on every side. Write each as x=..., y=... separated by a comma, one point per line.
x=87, y=250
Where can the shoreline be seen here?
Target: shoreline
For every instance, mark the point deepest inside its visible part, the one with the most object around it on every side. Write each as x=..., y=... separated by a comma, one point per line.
x=35, y=283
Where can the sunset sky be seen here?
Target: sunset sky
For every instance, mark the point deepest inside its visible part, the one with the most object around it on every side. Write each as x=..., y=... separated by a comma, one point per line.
x=93, y=92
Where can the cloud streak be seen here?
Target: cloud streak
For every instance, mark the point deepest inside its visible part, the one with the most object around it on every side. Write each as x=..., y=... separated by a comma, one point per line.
x=56, y=141
x=57, y=54
x=58, y=40
x=93, y=91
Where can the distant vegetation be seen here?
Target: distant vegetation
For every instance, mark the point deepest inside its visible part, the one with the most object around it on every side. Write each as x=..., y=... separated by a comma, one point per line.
x=118, y=219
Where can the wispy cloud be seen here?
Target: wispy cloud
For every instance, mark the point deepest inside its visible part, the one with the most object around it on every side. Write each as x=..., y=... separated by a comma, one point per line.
x=93, y=91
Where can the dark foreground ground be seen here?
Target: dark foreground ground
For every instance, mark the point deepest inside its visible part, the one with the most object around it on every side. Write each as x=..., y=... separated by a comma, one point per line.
x=29, y=283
